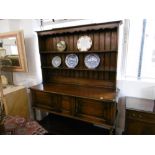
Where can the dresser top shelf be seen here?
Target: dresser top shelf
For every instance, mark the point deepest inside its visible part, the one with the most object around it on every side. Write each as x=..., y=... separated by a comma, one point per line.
x=100, y=94
x=80, y=28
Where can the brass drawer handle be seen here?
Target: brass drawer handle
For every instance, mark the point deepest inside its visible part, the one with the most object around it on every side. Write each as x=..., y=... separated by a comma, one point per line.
x=136, y=115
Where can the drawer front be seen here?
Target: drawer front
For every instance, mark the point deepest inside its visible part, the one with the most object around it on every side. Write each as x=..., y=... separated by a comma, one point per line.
x=96, y=110
x=46, y=100
x=141, y=116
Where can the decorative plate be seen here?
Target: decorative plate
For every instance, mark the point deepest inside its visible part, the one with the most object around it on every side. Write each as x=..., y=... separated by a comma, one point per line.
x=92, y=61
x=71, y=60
x=56, y=61
x=84, y=43
x=61, y=46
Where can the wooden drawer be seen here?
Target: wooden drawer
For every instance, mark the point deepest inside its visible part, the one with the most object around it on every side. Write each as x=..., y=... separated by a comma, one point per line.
x=141, y=116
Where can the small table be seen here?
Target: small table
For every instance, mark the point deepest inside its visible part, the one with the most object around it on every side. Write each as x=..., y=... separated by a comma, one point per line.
x=15, y=125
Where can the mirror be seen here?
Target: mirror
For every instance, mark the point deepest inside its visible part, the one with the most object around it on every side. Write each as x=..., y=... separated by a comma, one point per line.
x=12, y=50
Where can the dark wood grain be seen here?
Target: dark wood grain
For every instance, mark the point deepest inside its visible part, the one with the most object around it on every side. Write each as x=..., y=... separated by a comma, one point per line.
x=79, y=91
x=114, y=40
x=108, y=40
x=96, y=41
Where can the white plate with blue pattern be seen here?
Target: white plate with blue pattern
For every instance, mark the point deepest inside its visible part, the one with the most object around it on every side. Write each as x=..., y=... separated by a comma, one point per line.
x=56, y=61
x=71, y=60
x=92, y=61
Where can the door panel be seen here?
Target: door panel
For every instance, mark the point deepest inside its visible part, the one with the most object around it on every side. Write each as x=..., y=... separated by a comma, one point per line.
x=46, y=100
x=67, y=105
x=96, y=110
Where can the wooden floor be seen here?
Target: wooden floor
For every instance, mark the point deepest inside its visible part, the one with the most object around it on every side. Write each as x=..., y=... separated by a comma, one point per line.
x=57, y=125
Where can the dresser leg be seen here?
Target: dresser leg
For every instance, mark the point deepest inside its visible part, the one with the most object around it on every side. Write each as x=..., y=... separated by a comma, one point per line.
x=111, y=131
x=34, y=114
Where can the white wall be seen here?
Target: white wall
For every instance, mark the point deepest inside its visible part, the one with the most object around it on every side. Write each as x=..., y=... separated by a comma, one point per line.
x=33, y=76
x=136, y=88
x=4, y=26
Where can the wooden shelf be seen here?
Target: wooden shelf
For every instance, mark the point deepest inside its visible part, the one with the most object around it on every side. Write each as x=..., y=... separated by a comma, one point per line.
x=81, y=118
x=59, y=125
x=79, y=69
x=77, y=52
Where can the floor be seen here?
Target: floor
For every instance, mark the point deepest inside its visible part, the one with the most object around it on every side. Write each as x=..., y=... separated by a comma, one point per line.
x=57, y=125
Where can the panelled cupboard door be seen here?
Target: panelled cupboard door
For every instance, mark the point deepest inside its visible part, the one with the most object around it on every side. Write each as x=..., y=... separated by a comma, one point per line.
x=54, y=102
x=97, y=111
x=46, y=100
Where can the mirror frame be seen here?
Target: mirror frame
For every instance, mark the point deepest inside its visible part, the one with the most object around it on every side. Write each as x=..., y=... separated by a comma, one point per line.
x=21, y=51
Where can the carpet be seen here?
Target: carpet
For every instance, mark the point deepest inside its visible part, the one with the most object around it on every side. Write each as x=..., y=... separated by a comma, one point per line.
x=19, y=126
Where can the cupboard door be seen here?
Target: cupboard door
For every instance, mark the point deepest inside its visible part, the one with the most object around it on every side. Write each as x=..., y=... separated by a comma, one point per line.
x=67, y=105
x=96, y=111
